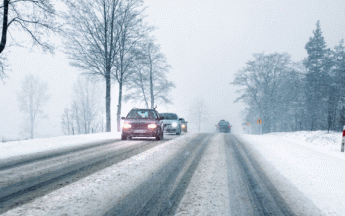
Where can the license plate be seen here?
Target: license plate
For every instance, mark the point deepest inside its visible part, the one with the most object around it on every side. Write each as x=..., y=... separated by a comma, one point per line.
x=139, y=131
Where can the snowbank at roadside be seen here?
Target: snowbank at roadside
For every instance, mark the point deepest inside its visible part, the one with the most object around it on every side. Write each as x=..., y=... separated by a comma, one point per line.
x=309, y=161
x=321, y=141
x=25, y=147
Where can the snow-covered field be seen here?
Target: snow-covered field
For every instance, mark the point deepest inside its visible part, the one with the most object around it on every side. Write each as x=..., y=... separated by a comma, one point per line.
x=311, y=162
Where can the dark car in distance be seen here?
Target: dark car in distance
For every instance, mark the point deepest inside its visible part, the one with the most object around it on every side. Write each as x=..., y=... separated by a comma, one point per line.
x=183, y=124
x=223, y=126
x=142, y=123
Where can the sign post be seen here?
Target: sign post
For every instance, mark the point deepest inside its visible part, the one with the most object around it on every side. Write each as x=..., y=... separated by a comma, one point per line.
x=260, y=123
x=248, y=124
x=343, y=140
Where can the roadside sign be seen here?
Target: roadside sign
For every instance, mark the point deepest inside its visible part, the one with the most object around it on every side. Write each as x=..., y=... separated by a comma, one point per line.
x=259, y=121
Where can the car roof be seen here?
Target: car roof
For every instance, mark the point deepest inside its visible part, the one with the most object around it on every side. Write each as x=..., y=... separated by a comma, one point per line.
x=143, y=109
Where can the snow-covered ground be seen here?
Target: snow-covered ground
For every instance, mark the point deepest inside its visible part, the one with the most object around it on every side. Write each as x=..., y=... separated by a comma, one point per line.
x=311, y=162
x=34, y=146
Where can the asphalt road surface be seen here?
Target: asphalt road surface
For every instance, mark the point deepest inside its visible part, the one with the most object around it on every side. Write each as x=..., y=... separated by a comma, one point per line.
x=168, y=191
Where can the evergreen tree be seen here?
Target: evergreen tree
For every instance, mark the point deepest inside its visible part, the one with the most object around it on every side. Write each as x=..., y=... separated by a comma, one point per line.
x=316, y=80
x=338, y=74
x=342, y=118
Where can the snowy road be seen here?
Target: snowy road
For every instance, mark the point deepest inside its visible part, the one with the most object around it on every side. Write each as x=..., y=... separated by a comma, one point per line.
x=24, y=180
x=195, y=174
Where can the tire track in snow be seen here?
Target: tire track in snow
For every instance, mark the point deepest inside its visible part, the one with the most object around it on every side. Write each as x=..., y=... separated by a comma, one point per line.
x=251, y=191
x=161, y=194
x=80, y=166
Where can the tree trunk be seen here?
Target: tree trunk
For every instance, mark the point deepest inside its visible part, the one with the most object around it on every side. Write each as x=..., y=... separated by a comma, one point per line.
x=107, y=100
x=4, y=26
x=151, y=87
x=32, y=128
x=119, y=107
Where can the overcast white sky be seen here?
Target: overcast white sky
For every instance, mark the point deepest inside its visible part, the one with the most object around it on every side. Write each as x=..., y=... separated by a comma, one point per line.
x=206, y=43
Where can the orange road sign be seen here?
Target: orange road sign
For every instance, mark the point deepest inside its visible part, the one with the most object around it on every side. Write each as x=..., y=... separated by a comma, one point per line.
x=259, y=121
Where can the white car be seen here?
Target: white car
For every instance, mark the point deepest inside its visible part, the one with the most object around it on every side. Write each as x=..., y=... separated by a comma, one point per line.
x=171, y=123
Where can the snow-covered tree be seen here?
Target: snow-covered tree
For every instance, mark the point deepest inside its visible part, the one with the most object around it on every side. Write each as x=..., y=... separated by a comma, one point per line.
x=85, y=116
x=132, y=30
x=259, y=82
x=35, y=18
x=32, y=98
x=338, y=79
x=149, y=83
x=198, y=112
x=317, y=79
x=92, y=36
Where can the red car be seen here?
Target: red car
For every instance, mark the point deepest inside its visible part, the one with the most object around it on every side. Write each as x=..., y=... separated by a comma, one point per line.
x=142, y=123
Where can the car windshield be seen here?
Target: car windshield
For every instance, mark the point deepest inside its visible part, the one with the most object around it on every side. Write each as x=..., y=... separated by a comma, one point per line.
x=169, y=115
x=142, y=114
x=223, y=123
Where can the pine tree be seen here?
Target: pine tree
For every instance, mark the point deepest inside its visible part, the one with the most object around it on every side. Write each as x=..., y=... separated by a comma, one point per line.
x=316, y=80
x=338, y=75
x=342, y=118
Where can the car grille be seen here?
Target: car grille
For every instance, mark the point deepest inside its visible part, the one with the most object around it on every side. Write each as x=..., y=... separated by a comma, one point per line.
x=139, y=125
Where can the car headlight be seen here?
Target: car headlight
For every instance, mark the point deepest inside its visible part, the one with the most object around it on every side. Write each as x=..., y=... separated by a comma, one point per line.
x=126, y=126
x=174, y=124
x=152, y=126
x=183, y=126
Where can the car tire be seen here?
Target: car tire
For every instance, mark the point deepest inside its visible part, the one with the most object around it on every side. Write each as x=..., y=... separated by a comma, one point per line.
x=160, y=136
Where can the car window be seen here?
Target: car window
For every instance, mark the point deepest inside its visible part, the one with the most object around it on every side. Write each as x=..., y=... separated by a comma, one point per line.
x=169, y=115
x=223, y=123
x=142, y=114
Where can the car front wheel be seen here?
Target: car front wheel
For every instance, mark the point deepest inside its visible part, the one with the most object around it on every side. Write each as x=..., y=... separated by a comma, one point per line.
x=160, y=136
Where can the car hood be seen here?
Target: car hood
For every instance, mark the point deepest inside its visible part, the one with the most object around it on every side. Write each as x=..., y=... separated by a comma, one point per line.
x=170, y=121
x=143, y=121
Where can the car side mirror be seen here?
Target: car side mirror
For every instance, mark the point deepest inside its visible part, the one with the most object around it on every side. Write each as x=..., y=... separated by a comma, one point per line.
x=123, y=118
x=186, y=122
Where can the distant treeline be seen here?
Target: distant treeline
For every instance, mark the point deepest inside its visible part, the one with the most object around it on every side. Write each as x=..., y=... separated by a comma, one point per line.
x=293, y=96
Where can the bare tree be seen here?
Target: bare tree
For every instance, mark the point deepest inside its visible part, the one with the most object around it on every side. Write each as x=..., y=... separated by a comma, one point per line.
x=260, y=80
x=137, y=86
x=35, y=17
x=86, y=97
x=67, y=122
x=85, y=115
x=92, y=38
x=198, y=112
x=132, y=31
x=32, y=97
x=149, y=83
